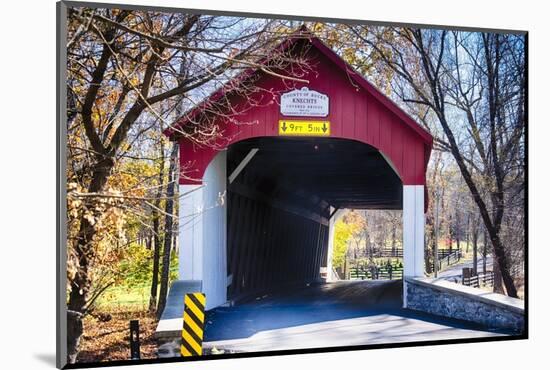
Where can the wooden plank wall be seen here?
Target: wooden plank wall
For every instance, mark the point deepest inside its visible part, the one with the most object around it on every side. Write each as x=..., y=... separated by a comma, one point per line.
x=354, y=113
x=269, y=247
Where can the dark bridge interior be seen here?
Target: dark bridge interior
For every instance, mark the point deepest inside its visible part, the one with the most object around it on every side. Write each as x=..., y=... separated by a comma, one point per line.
x=279, y=206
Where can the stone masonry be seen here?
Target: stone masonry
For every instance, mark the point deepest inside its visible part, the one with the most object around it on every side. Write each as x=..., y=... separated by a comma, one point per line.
x=440, y=297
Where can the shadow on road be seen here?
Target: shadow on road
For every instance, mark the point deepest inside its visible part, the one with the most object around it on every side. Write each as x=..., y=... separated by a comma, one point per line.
x=320, y=303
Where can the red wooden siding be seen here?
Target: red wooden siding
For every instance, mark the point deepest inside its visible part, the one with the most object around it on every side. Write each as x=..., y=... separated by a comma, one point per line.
x=357, y=111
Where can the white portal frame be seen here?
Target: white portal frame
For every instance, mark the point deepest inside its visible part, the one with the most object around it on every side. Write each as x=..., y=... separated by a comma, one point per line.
x=413, y=234
x=203, y=232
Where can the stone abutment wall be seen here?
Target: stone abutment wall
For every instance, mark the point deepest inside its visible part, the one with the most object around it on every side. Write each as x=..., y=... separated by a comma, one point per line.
x=443, y=298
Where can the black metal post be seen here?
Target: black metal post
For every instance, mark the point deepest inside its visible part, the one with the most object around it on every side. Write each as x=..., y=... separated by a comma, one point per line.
x=134, y=340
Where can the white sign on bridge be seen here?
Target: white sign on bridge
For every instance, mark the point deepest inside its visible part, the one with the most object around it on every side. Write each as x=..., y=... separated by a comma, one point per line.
x=304, y=103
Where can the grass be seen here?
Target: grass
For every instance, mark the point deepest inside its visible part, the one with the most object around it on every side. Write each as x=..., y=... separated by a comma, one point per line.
x=124, y=296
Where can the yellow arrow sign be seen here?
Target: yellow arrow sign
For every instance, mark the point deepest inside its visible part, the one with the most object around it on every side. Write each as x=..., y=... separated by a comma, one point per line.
x=304, y=128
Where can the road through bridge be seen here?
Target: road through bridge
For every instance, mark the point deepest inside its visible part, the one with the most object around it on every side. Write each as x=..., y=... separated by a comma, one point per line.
x=345, y=313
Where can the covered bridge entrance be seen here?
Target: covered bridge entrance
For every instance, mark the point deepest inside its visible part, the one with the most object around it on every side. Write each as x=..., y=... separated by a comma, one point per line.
x=287, y=194
x=258, y=207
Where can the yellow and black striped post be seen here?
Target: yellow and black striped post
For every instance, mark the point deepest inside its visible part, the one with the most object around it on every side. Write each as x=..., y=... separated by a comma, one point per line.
x=193, y=324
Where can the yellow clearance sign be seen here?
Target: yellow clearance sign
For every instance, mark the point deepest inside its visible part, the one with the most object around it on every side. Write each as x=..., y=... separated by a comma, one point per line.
x=304, y=128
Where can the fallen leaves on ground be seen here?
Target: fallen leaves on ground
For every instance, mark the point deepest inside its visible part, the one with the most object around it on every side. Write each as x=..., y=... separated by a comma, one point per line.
x=109, y=340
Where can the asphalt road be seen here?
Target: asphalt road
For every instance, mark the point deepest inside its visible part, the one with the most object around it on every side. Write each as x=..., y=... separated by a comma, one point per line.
x=454, y=273
x=345, y=313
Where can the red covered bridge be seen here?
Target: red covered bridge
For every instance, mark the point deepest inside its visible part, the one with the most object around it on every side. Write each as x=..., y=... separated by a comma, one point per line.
x=260, y=202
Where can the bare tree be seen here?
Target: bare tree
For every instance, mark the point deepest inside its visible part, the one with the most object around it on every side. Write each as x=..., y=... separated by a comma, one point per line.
x=156, y=233
x=125, y=71
x=473, y=86
x=475, y=238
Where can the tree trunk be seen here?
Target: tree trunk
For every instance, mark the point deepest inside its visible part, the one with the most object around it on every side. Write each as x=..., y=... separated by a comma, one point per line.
x=484, y=252
x=457, y=228
x=82, y=282
x=74, y=332
x=429, y=243
x=148, y=242
x=497, y=285
x=468, y=234
x=346, y=266
x=450, y=240
x=475, y=234
x=169, y=213
x=156, y=232
x=393, y=237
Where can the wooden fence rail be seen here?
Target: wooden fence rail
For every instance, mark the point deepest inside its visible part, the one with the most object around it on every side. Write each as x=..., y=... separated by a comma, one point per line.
x=398, y=253
x=387, y=253
x=487, y=279
x=448, y=257
x=375, y=273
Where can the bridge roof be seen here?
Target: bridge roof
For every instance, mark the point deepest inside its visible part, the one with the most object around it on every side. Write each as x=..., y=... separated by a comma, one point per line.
x=357, y=111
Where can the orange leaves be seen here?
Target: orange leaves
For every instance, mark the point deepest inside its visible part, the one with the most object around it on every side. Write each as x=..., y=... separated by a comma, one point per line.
x=104, y=214
x=114, y=214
